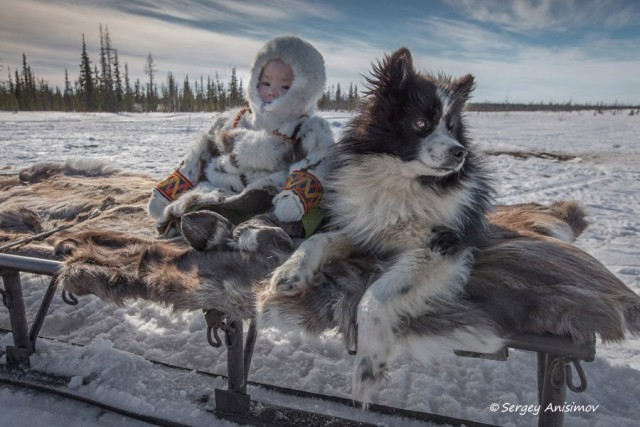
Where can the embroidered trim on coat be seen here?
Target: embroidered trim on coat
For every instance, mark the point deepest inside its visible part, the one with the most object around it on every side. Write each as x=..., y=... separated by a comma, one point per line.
x=238, y=117
x=306, y=186
x=174, y=185
x=285, y=136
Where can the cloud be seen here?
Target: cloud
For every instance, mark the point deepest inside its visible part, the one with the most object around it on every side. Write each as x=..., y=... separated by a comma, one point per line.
x=518, y=70
x=524, y=16
x=266, y=12
x=349, y=60
x=458, y=37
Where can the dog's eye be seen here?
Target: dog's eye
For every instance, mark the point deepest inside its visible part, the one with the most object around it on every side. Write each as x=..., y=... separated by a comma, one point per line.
x=421, y=125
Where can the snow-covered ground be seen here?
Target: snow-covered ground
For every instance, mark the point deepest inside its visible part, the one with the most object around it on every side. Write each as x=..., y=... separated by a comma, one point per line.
x=111, y=366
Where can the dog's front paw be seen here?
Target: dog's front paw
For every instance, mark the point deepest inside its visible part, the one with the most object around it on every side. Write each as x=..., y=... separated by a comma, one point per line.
x=367, y=375
x=292, y=276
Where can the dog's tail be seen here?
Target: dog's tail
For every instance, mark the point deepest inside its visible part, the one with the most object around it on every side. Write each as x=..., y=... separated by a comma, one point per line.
x=572, y=213
x=565, y=220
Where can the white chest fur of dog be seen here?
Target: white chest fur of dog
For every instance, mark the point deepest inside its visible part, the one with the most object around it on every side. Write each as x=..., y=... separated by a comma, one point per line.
x=378, y=203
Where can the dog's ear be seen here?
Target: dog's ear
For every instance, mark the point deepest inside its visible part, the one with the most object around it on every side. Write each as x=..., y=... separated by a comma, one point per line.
x=462, y=87
x=393, y=72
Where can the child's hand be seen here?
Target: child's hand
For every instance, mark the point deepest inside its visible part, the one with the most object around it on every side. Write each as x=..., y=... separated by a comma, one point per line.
x=288, y=206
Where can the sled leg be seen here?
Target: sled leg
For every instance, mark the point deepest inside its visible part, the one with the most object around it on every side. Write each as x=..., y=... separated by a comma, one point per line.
x=252, y=334
x=553, y=390
x=42, y=312
x=19, y=354
x=235, y=399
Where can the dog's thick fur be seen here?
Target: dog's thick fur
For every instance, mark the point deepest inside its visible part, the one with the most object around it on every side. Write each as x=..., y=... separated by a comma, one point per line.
x=410, y=190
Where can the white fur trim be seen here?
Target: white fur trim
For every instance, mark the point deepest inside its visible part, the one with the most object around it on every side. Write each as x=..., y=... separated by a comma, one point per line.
x=157, y=204
x=288, y=206
x=308, y=80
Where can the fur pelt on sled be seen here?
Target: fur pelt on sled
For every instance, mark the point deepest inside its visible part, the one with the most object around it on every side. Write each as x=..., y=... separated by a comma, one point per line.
x=527, y=277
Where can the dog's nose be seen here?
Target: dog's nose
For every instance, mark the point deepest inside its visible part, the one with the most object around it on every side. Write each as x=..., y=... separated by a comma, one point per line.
x=458, y=152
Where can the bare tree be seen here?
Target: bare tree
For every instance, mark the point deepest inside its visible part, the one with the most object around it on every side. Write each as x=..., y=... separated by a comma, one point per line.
x=150, y=70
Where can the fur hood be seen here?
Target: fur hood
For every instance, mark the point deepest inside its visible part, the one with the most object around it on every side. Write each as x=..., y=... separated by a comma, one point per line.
x=307, y=87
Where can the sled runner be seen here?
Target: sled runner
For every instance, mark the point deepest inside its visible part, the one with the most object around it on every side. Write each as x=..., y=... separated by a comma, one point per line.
x=114, y=254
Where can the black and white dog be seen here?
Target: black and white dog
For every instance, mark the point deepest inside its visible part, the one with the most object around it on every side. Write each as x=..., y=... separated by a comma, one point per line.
x=408, y=187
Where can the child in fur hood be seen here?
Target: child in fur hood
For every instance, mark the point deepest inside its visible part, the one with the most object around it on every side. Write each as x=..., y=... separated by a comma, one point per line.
x=271, y=156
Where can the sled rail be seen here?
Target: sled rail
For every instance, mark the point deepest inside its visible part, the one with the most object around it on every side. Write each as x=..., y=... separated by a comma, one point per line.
x=555, y=354
x=29, y=265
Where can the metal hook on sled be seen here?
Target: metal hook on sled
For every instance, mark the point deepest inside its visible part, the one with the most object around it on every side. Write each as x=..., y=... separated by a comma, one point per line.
x=581, y=376
x=215, y=320
x=69, y=298
x=561, y=374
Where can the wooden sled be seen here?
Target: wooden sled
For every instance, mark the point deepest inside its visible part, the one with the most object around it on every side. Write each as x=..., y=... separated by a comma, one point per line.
x=120, y=200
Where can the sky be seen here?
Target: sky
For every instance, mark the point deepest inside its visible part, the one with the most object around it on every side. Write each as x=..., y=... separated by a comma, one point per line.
x=580, y=51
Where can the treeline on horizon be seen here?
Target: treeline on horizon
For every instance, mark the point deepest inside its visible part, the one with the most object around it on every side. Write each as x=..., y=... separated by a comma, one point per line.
x=106, y=87
x=550, y=106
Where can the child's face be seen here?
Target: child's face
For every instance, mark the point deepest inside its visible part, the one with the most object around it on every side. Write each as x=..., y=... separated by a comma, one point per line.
x=275, y=80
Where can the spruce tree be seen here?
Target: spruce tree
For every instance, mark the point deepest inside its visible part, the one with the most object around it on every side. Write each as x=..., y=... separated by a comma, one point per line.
x=28, y=86
x=138, y=97
x=200, y=95
x=68, y=93
x=117, y=81
x=86, y=80
x=101, y=78
x=187, y=96
x=128, y=93
x=172, y=93
x=222, y=96
x=325, y=101
x=350, y=98
x=18, y=91
x=212, y=96
x=109, y=97
x=10, y=102
x=234, y=97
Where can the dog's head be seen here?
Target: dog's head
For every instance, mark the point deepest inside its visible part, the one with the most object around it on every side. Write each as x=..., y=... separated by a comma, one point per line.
x=414, y=116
